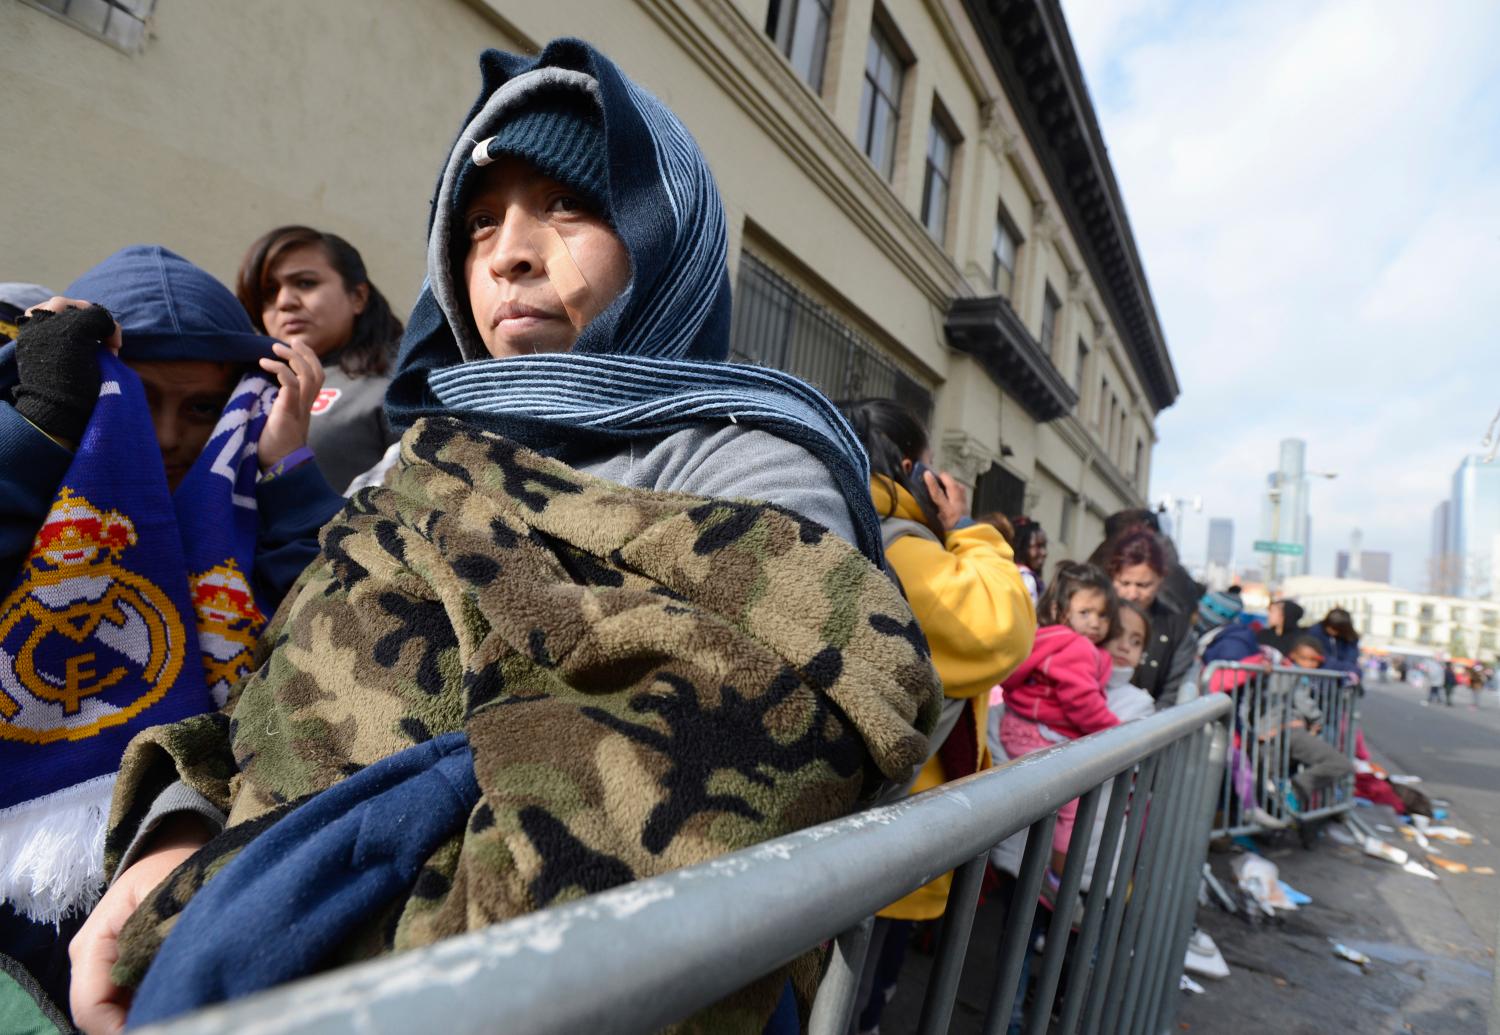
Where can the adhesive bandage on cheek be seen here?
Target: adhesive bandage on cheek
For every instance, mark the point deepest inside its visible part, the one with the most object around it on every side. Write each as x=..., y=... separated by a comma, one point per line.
x=564, y=273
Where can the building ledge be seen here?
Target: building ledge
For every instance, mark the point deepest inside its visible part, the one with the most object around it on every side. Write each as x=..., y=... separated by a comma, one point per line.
x=989, y=330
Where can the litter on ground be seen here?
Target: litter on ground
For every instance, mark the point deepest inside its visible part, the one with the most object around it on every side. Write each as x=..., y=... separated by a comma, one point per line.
x=1352, y=955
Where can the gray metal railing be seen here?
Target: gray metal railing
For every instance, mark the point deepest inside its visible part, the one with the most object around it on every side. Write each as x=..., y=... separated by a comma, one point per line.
x=1271, y=706
x=653, y=952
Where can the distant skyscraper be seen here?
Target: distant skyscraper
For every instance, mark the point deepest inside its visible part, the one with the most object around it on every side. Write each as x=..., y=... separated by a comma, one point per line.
x=1221, y=542
x=1474, y=527
x=1374, y=566
x=1287, y=521
x=1440, y=566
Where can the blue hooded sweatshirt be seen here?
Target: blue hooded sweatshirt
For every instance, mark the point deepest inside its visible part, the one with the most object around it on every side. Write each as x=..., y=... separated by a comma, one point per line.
x=168, y=309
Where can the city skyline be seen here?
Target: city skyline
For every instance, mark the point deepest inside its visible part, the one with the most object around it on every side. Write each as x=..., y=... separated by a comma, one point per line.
x=1337, y=299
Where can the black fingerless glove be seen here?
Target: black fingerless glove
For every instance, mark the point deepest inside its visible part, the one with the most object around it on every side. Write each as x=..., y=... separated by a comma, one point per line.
x=57, y=360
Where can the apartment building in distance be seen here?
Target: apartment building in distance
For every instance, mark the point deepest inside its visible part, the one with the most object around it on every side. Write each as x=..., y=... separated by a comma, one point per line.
x=920, y=200
x=1401, y=621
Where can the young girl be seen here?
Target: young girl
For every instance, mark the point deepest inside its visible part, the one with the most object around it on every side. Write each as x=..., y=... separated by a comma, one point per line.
x=308, y=286
x=1058, y=692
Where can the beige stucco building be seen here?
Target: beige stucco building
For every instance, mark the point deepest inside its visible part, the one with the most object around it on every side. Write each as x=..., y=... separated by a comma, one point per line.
x=919, y=198
x=1394, y=619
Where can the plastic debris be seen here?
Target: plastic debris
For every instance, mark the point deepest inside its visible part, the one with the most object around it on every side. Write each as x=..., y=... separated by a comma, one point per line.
x=1451, y=834
x=1377, y=848
x=1484, y=871
x=1257, y=877
x=1385, y=829
x=1203, y=956
x=1416, y=869
x=1403, y=778
x=1420, y=838
x=1340, y=836
x=1296, y=897
x=1352, y=955
x=1449, y=865
x=1187, y=984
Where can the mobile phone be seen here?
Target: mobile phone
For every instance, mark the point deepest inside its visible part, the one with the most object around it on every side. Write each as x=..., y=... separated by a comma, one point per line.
x=919, y=471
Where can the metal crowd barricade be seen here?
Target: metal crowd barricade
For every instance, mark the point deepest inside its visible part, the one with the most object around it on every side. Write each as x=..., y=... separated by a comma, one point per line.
x=651, y=953
x=1271, y=703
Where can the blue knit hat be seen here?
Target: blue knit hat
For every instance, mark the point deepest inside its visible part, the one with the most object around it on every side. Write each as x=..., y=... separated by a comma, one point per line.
x=1216, y=609
x=561, y=134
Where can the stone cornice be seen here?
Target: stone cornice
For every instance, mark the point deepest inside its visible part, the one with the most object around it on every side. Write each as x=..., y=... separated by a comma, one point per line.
x=1032, y=53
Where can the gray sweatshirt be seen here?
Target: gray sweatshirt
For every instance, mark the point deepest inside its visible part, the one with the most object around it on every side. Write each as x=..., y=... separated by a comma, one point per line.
x=348, y=432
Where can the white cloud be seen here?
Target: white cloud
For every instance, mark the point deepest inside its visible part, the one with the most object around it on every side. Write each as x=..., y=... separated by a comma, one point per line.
x=1315, y=189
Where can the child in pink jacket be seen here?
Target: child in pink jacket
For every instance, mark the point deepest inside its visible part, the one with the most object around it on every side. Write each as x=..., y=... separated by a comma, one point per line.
x=1058, y=693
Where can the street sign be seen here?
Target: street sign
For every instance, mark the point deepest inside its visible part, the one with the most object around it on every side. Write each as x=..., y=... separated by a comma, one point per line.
x=1285, y=549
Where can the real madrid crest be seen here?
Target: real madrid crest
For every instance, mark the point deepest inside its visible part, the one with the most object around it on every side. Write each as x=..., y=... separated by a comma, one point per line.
x=84, y=643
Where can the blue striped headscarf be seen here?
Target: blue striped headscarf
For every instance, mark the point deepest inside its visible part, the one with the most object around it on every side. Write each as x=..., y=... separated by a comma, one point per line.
x=654, y=361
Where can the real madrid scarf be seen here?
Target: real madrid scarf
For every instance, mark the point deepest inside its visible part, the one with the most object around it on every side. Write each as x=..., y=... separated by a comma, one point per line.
x=133, y=609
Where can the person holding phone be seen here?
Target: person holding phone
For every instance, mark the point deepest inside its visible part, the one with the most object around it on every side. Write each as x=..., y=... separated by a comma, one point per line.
x=961, y=580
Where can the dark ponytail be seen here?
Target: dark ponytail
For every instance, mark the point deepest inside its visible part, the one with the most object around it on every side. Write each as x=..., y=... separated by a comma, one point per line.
x=890, y=434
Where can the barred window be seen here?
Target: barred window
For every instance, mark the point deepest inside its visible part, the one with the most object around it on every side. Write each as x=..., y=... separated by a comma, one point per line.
x=777, y=325
x=1079, y=364
x=121, y=23
x=800, y=29
x=880, y=105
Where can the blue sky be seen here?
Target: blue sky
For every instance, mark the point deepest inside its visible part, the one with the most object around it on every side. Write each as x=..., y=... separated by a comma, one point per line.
x=1315, y=191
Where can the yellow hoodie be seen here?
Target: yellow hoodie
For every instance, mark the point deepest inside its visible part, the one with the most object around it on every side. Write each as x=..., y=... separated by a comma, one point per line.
x=968, y=597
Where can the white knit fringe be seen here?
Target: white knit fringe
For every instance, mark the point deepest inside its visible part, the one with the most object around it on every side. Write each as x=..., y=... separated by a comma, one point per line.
x=52, y=851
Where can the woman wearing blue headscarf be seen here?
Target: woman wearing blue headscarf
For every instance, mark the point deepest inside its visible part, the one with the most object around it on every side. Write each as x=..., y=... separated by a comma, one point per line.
x=570, y=340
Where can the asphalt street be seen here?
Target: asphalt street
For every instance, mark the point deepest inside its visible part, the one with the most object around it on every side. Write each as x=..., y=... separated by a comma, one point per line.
x=1431, y=942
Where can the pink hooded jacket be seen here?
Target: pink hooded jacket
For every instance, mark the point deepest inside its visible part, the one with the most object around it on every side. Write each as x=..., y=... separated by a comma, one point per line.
x=1061, y=684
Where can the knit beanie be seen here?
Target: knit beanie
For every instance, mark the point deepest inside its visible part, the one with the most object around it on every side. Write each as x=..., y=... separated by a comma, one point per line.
x=1216, y=609
x=561, y=134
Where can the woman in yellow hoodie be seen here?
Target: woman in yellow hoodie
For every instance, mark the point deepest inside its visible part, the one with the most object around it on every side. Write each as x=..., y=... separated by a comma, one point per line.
x=963, y=585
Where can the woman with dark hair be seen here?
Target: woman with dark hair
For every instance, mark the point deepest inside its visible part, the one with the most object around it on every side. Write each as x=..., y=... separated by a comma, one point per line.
x=1339, y=640
x=970, y=602
x=305, y=285
x=1031, y=555
x=1138, y=562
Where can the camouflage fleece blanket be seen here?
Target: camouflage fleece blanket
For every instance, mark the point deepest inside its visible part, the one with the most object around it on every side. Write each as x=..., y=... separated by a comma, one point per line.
x=646, y=680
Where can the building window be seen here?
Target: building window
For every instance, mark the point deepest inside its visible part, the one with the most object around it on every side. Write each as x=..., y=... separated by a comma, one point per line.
x=1050, y=308
x=776, y=325
x=1002, y=258
x=1458, y=614
x=937, y=181
x=1138, y=471
x=1079, y=363
x=1065, y=522
x=1428, y=612
x=121, y=23
x=800, y=29
x=1424, y=634
x=1489, y=617
x=1103, y=402
x=1487, y=640
x=1398, y=630
x=1401, y=607
x=880, y=105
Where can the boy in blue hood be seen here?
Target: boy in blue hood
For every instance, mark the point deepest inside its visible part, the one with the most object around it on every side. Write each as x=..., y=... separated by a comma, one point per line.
x=131, y=590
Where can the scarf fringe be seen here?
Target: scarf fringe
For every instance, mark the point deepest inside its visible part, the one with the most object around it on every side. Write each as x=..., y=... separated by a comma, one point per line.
x=52, y=851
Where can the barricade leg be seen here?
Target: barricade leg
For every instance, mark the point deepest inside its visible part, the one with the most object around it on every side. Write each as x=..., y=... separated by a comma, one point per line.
x=953, y=944
x=1099, y=893
x=833, y=1007
x=1120, y=893
x=1062, y=915
x=1016, y=941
